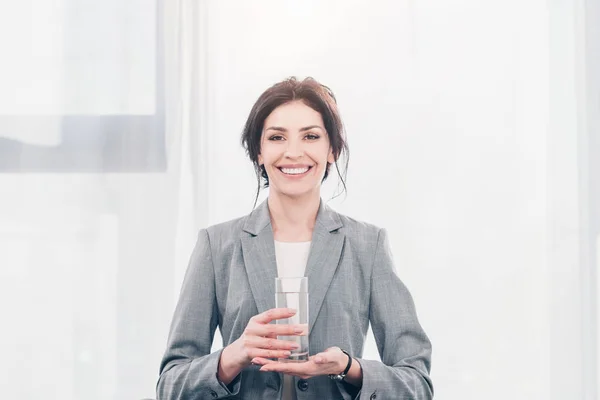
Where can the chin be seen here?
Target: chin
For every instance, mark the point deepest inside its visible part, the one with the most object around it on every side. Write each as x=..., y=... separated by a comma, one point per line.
x=297, y=192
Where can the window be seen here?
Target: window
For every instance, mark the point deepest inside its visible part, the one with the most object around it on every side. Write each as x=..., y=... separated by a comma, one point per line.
x=83, y=86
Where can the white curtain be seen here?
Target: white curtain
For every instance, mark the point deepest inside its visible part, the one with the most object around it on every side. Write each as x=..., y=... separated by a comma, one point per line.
x=88, y=259
x=464, y=122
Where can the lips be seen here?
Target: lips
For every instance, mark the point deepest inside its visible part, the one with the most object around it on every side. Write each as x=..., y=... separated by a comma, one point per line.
x=296, y=170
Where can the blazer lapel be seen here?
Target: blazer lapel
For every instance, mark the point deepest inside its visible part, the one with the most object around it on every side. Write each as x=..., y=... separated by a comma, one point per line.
x=324, y=258
x=259, y=257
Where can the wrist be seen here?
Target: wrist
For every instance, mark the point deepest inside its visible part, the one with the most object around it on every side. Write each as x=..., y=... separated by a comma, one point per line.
x=230, y=365
x=230, y=361
x=347, y=363
x=236, y=357
x=354, y=375
x=343, y=362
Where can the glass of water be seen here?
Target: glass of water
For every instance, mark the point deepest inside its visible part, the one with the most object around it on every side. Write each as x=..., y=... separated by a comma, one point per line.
x=293, y=293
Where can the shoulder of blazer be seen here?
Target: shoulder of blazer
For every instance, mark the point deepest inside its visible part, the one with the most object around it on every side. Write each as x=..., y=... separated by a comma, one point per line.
x=225, y=234
x=359, y=230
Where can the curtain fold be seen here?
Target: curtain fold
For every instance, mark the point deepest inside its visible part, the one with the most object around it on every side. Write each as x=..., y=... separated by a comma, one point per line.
x=91, y=263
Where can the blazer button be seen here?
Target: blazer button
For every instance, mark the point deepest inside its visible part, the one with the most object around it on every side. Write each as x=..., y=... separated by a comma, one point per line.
x=214, y=394
x=373, y=396
x=303, y=385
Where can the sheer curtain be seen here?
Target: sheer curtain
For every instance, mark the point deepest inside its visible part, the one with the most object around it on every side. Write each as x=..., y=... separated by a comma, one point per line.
x=119, y=138
x=89, y=246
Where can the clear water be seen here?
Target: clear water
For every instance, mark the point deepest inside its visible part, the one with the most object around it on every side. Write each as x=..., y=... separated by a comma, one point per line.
x=299, y=302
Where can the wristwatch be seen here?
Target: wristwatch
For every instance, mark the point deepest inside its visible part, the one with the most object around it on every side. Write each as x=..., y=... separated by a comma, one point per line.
x=340, y=377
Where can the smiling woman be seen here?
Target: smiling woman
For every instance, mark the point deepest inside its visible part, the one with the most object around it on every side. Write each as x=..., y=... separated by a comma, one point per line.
x=289, y=118
x=293, y=135
x=295, y=152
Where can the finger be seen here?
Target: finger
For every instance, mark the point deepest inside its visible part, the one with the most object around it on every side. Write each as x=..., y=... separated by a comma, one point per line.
x=289, y=368
x=289, y=329
x=262, y=353
x=269, y=343
x=278, y=330
x=279, y=367
x=262, y=361
x=273, y=314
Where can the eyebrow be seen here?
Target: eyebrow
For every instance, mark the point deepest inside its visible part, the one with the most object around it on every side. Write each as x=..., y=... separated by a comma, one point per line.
x=282, y=129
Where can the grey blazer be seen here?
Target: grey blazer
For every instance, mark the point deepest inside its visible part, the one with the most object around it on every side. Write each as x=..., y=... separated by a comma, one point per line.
x=352, y=282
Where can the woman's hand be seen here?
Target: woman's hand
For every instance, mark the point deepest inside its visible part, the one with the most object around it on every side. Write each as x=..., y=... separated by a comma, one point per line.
x=259, y=340
x=331, y=361
x=260, y=336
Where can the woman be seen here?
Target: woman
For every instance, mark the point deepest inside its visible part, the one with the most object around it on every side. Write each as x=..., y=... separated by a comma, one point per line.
x=293, y=136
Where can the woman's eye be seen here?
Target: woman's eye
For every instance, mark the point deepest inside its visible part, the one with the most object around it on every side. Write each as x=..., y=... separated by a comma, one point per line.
x=310, y=136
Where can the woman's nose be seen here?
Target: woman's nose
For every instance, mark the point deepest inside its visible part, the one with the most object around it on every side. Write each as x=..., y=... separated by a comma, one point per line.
x=294, y=149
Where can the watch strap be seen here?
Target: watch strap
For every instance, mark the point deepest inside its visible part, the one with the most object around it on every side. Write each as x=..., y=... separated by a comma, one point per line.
x=349, y=362
x=340, y=377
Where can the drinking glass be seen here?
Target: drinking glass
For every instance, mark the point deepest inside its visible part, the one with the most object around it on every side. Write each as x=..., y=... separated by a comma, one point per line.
x=293, y=293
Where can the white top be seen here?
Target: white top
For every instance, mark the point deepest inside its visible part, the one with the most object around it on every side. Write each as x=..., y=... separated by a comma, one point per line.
x=291, y=260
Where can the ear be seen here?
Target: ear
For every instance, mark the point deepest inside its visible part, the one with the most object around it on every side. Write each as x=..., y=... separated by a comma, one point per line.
x=330, y=157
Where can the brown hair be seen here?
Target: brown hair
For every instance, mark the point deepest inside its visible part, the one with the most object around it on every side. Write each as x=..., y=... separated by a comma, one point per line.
x=315, y=95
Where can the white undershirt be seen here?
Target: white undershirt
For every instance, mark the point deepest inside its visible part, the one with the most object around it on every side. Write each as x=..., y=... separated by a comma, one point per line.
x=291, y=260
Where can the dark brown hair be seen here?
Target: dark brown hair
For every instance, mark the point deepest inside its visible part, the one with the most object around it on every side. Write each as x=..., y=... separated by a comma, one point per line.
x=315, y=95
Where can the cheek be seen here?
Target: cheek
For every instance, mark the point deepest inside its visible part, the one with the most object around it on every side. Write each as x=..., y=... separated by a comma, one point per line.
x=324, y=157
x=269, y=153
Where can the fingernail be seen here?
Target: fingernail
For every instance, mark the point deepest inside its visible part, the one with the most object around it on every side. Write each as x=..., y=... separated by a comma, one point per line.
x=291, y=310
x=298, y=330
x=318, y=359
x=287, y=353
x=295, y=346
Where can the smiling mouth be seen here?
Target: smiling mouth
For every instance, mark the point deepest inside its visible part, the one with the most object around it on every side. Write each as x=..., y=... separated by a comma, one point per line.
x=295, y=171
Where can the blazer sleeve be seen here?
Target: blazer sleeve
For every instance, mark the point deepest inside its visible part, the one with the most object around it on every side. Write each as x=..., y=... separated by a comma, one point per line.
x=405, y=350
x=188, y=370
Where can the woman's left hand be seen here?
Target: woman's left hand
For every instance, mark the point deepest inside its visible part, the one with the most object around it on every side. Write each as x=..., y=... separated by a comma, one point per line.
x=331, y=361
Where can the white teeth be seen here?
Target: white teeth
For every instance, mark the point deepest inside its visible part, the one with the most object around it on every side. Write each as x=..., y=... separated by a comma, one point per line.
x=294, y=171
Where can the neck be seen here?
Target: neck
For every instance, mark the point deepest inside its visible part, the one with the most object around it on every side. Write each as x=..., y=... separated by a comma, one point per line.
x=293, y=219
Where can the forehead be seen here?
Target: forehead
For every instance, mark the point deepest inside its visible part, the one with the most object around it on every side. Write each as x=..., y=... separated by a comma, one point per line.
x=294, y=115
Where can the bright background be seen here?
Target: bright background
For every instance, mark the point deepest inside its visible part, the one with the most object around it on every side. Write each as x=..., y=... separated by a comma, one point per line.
x=473, y=133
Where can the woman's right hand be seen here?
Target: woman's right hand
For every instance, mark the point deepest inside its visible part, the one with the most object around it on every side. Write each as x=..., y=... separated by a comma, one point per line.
x=259, y=339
